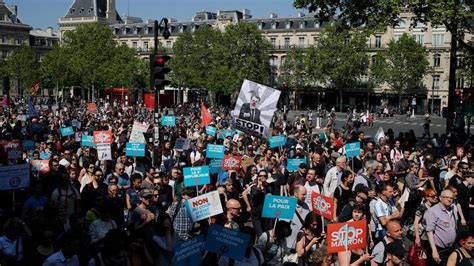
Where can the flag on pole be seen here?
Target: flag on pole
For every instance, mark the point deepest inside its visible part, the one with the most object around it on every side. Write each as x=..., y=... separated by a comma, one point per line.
x=35, y=87
x=380, y=134
x=206, y=116
x=31, y=108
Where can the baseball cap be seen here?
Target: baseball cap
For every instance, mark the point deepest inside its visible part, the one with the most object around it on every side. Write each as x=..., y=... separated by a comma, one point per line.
x=145, y=192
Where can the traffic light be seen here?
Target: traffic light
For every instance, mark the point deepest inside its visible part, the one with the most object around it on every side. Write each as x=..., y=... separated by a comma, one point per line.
x=159, y=69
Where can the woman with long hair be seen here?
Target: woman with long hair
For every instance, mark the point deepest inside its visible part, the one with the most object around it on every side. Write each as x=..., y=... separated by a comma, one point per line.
x=309, y=238
x=164, y=240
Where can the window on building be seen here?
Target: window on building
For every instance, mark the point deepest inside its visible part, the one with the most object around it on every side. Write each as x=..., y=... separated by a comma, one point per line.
x=287, y=42
x=397, y=37
x=436, y=82
x=438, y=39
x=378, y=41
x=273, y=61
x=436, y=60
x=316, y=41
x=19, y=40
x=301, y=41
x=273, y=41
x=134, y=45
x=274, y=25
x=302, y=24
x=168, y=44
x=135, y=30
x=145, y=46
x=124, y=43
x=38, y=56
x=4, y=54
x=288, y=25
x=260, y=25
x=316, y=24
x=420, y=38
x=4, y=39
x=374, y=59
x=2, y=17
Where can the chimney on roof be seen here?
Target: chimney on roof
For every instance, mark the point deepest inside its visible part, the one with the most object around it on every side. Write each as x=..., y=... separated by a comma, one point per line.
x=300, y=14
x=246, y=14
x=273, y=15
x=111, y=13
x=49, y=30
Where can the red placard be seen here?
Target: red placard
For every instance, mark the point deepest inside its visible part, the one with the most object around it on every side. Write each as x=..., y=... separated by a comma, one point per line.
x=322, y=205
x=92, y=107
x=231, y=162
x=40, y=166
x=103, y=137
x=347, y=236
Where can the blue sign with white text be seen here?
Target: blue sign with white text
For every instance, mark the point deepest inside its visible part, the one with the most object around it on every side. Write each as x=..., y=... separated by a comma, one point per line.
x=87, y=141
x=169, y=120
x=277, y=141
x=352, y=149
x=226, y=242
x=211, y=130
x=215, y=166
x=224, y=133
x=294, y=164
x=279, y=207
x=135, y=149
x=189, y=252
x=215, y=151
x=67, y=131
x=195, y=176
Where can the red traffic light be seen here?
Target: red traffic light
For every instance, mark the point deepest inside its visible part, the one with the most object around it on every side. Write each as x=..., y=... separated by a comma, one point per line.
x=160, y=60
x=285, y=85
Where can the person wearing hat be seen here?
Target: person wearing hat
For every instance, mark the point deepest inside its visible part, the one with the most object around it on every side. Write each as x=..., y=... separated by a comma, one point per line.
x=395, y=254
x=141, y=216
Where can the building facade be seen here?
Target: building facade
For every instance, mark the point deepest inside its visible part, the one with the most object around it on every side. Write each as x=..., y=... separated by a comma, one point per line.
x=14, y=32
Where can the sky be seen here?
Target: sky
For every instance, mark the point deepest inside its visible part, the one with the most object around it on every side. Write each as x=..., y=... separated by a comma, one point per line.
x=46, y=13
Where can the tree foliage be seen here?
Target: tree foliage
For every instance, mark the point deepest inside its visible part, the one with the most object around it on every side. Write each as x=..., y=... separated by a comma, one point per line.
x=220, y=61
x=22, y=66
x=295, y=69
x=402, y=66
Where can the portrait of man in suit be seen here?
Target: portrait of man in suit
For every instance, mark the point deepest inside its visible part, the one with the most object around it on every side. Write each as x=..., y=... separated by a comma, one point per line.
x=249, y=111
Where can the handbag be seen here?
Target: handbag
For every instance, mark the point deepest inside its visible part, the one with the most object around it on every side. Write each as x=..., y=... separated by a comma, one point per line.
x=417, y=256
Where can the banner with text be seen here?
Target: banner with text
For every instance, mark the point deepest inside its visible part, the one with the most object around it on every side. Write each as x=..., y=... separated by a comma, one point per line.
x=227, y=242
x=293, y=164
x=204, y=206
x=231, y=162
x=352, y=149
x=347, y=236
x=195, y=176
x=322, y=205
x=279, y=207
x=277, y=141
x=14, y=176
x=215, y=151
x=135, y=149
x=189, y=252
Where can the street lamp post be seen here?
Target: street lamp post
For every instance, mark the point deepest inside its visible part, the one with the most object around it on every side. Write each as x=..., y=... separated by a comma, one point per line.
x=432, y=98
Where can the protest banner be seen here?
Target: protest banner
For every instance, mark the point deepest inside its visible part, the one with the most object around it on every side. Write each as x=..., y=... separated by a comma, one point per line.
x=226, y=242
x=28, y=145
x=14, y=176
x=189, y=252
x=224, y=133
x=182, y=144
x=78, y=136
x=231, y=162
x=66, y=131
x=168, y=120
x=254, y=108
x=12, y=148
x=139, y=127
x=87, y=141
x=104, y=152
x=45, y=155
x=215, y=165
x=137, y=137
x=347, y=236
x=322, y=205
x=277, y=141
x=211, y=131
x=204, y=206
x=279, y=207
x=135, y=149
x=195, y=176
x=40, y=166
x=103, y=137
x=92, y=107
x=293, y=164
x=352, y=149
x=76, y=124
x=215, y=151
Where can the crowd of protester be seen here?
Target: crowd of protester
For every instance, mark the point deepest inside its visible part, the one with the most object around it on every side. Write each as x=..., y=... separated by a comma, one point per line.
x=130, y=210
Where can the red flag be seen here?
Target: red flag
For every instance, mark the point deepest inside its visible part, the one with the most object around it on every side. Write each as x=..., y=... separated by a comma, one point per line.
x=35, y=87
x=206, y=116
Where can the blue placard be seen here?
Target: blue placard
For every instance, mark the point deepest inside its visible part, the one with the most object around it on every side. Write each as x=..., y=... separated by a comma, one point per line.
x=227, y=242
x=45, y=155
x=135, y=149
x=294, y=164
x=195, y=176
x=277, y=141
x=87, y=141
x=224, y=133
x=279, y=207
x=168, y=120
x=28, y=145
x=215, y=151
x=67, y=131
x=211, y=131
x=189, y=252
x=215, y=166
x=352, y=149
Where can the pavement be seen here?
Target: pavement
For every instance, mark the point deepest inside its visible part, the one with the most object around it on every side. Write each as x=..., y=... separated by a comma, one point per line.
x=398, y=123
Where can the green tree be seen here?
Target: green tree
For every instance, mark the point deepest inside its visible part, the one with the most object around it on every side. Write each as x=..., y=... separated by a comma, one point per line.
x=294, y=70
x=22, y=67
x=402, y=66
x=455, y=15
x=340, y=59
x=56, y=69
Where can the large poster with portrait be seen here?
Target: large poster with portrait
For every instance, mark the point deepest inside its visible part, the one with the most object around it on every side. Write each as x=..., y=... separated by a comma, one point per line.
x=255, y=107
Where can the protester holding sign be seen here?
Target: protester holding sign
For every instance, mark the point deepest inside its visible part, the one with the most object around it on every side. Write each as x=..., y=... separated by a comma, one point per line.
x=309, y=238
x=273, y=243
